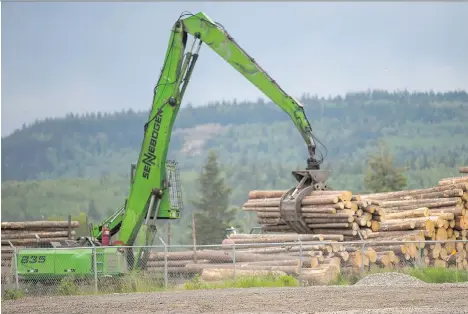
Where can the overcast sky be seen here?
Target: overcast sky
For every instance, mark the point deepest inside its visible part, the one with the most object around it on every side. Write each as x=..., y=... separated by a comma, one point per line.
x=77, y=57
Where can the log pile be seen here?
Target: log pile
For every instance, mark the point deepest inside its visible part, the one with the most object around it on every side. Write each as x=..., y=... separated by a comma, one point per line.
x=252, y=260
x=378, y=253
x=26, y=233
x=334, y=213
x=324, y=255
x=436, y=213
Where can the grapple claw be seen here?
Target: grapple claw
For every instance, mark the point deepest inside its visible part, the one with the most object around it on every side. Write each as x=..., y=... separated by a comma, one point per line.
x=315, y=178
x=291, y=201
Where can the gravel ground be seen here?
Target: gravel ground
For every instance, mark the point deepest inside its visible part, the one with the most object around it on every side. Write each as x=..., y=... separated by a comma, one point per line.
x=429, y=298
x=389, y=279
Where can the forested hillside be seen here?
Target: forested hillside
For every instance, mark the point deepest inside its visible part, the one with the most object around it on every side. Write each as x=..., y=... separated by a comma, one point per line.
x=58, y=166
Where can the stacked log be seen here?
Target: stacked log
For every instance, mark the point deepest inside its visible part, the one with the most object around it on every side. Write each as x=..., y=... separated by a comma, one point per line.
x=25, y=233
x=250, y=260
x=463, y=170
x=317, y=255
x=445, y=205
x=436, y=213
x=337, y=213
x=35, y=233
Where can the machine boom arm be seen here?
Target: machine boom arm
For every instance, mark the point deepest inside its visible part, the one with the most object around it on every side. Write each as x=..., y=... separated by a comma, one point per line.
x=147, y=196
x=217, y=38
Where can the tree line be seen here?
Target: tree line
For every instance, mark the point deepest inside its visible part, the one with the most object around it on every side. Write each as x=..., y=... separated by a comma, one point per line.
x=425, y=128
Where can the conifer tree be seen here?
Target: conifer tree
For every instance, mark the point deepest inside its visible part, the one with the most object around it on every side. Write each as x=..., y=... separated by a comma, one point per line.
x=381, y=174
x=212, y=212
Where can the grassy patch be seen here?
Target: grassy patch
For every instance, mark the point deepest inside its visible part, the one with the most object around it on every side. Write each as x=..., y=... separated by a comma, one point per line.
x=269, y=280
x=135, y=281
x=13, y=294
x=141, y=282
x=67, y=286
x=439, y=275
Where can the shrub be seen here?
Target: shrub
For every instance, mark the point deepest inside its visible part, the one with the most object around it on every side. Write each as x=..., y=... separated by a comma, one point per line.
x=12, y=294
x=68, y=286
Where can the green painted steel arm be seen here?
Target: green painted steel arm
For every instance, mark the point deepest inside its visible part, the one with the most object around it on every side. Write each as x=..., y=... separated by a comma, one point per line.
x=217, y=38
x=114, y=222
x=150, y=170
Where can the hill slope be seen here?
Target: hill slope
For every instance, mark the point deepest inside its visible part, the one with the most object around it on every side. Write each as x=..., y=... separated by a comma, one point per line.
x=257, y=143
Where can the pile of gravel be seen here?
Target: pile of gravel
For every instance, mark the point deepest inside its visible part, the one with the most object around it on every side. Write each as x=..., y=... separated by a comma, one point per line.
x=389, y=279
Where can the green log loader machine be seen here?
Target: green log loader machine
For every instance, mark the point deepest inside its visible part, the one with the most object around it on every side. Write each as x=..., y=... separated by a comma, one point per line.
x=155, y=192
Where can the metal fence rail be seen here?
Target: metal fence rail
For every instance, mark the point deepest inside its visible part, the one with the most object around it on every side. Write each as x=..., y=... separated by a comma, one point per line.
x=91, y=270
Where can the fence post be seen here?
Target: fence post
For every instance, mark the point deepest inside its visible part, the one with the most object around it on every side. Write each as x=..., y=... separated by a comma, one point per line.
x=420, y=254
x=165, y=263
x=165, y=266
x=300, y=258
x=95, y=270
x=15, y=260
x=234, y=259
x=363, y=252
x=16, y=269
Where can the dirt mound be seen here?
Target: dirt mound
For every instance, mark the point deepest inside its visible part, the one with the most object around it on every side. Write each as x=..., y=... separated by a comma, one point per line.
x=389, y=279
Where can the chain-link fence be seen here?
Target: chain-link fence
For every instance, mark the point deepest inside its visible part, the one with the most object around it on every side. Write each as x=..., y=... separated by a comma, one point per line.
x=91, y=270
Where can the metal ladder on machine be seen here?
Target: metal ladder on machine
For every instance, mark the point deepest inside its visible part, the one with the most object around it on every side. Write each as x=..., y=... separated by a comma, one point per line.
x=176, y=204
x=100, y=261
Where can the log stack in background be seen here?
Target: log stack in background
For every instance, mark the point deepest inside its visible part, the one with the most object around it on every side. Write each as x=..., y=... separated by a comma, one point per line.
x=25, y=233
x=32, y=234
